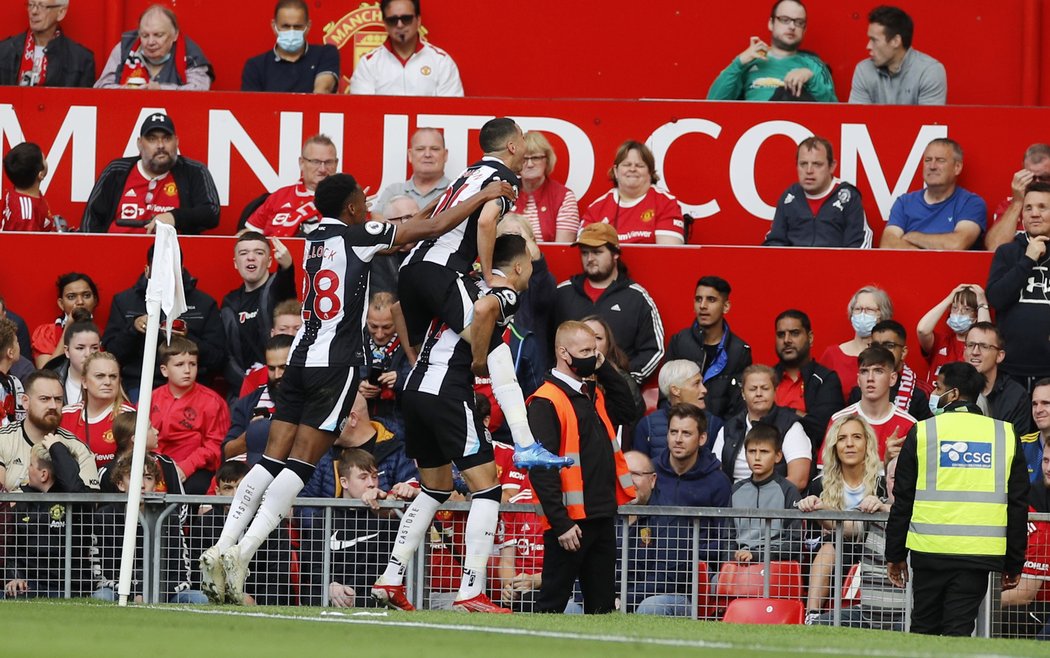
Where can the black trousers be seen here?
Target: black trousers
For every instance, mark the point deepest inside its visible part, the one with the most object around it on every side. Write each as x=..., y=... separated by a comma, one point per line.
x=946, y=601
x=594, y=564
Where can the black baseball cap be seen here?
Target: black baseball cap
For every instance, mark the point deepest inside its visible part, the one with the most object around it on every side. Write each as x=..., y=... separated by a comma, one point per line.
x=157, y=121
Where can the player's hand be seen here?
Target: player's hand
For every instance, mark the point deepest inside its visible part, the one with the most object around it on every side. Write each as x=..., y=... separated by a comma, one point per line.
x=404, y=491
x=388, y=379
x=371, y=497
x=1010, y=580
x=281, y=254
x=140, y=323
x=1036, y=248
x=758, y=49
x=893, y=445
x=743, y=555
x=368, y=391
x=796, y=80
x=497, y=189
x=897, y=572
x=340, y=595
x=1019, y=183
x=570, y=539
x=480, y=368
x=16, y=587
x=810, y=504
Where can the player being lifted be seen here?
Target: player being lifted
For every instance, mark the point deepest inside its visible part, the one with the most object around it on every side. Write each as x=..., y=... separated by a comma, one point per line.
x=431, y=283
x=320, y=382
x=441, y=427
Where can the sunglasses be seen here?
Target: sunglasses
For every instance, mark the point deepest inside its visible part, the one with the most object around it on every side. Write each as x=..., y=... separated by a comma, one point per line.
x=393, y=21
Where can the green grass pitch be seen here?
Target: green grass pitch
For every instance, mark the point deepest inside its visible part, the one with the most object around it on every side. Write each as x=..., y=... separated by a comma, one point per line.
x=87, y=629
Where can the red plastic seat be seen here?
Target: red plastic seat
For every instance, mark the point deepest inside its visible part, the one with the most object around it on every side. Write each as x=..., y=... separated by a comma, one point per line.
x=851, y=587
x=764, y=611
x=745, y=581
x=651, y=395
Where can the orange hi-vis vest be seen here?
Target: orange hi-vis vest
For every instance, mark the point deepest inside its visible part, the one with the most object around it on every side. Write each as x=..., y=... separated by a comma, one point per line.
x=572, y=477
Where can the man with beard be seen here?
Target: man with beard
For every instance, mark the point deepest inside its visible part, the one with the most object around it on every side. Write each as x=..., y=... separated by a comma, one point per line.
x=250, y=415
x=604, y=288
x=159, y=185
x=812, y=390
x=778, y=72
x=43, y=404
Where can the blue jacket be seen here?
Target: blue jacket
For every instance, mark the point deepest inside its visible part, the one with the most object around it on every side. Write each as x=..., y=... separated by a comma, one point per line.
x=1032, y=447
x=650, y=434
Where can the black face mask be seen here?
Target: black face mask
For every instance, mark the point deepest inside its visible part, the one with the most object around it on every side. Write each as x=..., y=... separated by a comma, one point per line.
x=583, y=366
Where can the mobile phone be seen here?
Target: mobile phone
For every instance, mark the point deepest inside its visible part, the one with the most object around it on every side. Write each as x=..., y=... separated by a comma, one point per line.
x=373, y=375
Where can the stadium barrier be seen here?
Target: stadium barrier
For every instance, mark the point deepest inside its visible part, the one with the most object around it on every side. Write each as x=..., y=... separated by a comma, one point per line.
x=679, y=560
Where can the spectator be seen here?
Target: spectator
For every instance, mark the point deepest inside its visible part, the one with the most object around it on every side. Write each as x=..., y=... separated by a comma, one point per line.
x=1017, y=288
x=427, y=155
x=966, y=304
x=292, y=65
x=851, y=480
x=383, y=380
x=909, y=392
x=156, y=56
x=548, y=206
x=820, y=210
x=11, y=391
x=605, y=288
x=876, y=377
x=1001, y=398
x=1006, y=220
x=43, y=404
x=519, y=536
x=75, y=290
x=867, y=307
x=1035, y=443
x=22, y=331
x=43, y=55
x=191, y=419
x=603, y=333
x=759, y=386
x=124, y=438
x=812, y=390
x=287, y=318
x=290, y=210
x=91, y=419
x=777, y=72
x=680, y=382
x=711, y=343
x=81, y=339
x=405, y=65
x=639, y=212
x=250, y=415
x=126, y=329
x=766, y=490
x=24, y=207
x=895, y=73
x=941, y=216
x=386, y=266
x=246, y=312
x=37, y=531
x=160, y=185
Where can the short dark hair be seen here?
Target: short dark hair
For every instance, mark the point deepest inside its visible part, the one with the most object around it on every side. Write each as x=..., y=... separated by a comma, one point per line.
x=716, y=282
x=963, y=377
x=508, y=248
x=333, y=193
x=37, y=375
x=495, y=133
x=252, y=236
x=482, y=405
x=761, y=432
x=1045, y=381
x=777, y=3
x=291, y=4
x=686, y=410
x=82, y=323
x=893, y=21
x=279, y=342
x=992, y=327
x=813, y=143
x=23, y=163
x=892, y=325
x=231, y=470
x=178, y=345
x=72, y=277
x=795, y=314
x=352, y=457
x=122, y=468
x=1037, y=186
x=383, y=4
x=8, y=333
x=876, y=355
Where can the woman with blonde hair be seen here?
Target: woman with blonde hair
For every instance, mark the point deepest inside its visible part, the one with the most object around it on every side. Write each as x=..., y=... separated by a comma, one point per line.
x=548, y=206
x=851, y=480
x=91, y=419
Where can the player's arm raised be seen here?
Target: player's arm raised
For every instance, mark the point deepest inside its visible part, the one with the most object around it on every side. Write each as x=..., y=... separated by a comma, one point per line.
x=420, y=228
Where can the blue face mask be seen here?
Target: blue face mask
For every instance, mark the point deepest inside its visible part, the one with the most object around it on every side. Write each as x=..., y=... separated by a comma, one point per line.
x=291, y=41
x=863, y=323
x=959, y=323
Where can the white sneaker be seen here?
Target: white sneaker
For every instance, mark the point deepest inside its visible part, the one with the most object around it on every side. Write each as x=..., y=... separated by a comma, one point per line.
x=236, y=573
x=213, y=576
x=811, y=618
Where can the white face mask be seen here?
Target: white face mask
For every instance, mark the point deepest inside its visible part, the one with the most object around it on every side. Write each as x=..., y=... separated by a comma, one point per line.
x=959, y=322
x=863, y=323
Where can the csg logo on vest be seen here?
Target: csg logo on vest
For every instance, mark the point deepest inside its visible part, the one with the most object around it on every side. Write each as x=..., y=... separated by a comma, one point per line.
x=962, y=454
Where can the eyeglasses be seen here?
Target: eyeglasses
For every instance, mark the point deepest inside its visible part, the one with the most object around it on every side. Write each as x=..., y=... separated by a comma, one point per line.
x=317, y=163
x=393, y=21
x=642, y=473
x=402, y=218
x=39, y=6
x=529, y=159
x=800, y=23
x=980, y=347
x=888, y=344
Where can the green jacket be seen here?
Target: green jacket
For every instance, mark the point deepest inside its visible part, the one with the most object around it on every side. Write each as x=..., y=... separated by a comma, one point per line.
x=762, y=77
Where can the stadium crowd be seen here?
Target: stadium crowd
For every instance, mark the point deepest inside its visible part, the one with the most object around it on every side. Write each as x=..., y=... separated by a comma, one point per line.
x=801, y=433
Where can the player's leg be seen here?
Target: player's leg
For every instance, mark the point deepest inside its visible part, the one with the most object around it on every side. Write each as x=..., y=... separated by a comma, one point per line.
x=480, y=531
x=401, y=327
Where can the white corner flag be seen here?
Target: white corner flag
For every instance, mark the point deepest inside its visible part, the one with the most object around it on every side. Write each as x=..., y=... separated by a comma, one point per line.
x=163, y=292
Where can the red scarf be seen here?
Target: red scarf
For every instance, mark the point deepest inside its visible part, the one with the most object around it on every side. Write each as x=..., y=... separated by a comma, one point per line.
x=135, y=64
x=26, y=65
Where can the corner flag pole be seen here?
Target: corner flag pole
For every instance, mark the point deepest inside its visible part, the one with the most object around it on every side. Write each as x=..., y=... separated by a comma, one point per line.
x=164, y=292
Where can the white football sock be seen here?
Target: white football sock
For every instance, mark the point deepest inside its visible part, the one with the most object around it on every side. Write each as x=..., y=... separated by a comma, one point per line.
x=245, y=502
x=478, y=537
x=275, y=506
x=414, y=526
x=508, y=395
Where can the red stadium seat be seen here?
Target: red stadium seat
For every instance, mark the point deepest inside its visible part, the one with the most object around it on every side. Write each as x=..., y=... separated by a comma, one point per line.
x=742, y=581
x=764, y=611
x=851, y=587
x=704, y=607
x=651, y=395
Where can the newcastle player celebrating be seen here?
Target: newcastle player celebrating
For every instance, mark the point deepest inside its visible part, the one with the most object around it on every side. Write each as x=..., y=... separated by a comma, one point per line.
x=320, y=382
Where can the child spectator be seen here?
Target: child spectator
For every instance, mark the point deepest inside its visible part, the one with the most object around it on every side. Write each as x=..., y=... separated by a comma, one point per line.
x=124, y=440
x=24, y=207
x=81, y=339
x=766, y=490
x=91, y=420
x=191, y=419
x=108, y=540
x=11, y=409
x=36, y=540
